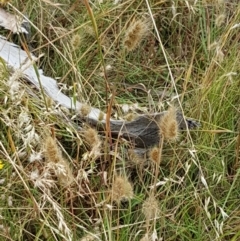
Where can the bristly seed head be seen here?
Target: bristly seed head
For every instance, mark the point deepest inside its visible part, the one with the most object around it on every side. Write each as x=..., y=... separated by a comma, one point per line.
x=93, y=141
x=137, y=30
x=76, y=41
x=64, y=174
x=101, y=116
x=85, y=110
x=130, y=117
x=56, y=163
x=168, y=125
x=51, y=150
x=154, y=154
x=91, y=137
x=220, y=19
x=150, y=207
x=121, y=189
x=136, y=159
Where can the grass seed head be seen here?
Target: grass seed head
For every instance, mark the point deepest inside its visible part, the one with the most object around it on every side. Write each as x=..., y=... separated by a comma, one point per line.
x=65, y=176
x=154, y=154
x=89, y=31
x=220, y=19
x=93, y=140
x=91, y=137
x=135, y=158
x=168, y=125
x=85, y=110
x=130, y=117
x=51, y=150
x=56, y=163
x=121, y=189
x=137, y=30
x=76, y=41
x=150, y=207
x=101, y=116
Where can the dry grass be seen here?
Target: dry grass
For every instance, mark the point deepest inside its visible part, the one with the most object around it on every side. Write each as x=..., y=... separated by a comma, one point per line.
x=71, y=185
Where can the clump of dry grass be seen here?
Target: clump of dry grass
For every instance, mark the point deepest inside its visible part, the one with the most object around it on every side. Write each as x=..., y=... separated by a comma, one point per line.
x=46, y=174
x=68, y=214
x=135, y=33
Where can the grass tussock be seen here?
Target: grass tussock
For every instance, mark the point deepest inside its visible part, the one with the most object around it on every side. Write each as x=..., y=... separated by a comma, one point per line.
x=63, y=180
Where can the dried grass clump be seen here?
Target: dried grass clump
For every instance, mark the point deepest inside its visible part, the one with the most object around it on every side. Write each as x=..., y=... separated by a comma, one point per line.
x=135, y=33
x=121, y=189
x=168, y=125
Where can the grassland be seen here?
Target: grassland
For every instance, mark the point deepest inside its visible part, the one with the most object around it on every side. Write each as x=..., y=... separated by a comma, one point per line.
x=59, y=183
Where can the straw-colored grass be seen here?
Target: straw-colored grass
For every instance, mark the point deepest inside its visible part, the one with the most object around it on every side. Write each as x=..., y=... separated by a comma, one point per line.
x=59, y=183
